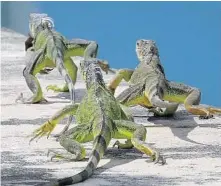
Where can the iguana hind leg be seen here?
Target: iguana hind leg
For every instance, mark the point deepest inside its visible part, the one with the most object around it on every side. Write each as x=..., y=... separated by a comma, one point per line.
x=90, y=51
x=31, y=80
x=72, y=71
x=137, y=135
x=71, y=140
x=192, y=105
x=121, y=74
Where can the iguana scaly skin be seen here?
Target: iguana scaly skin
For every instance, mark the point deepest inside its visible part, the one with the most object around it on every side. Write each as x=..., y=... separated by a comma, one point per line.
x=49, y=49
x=100, y=118
x=150, y=88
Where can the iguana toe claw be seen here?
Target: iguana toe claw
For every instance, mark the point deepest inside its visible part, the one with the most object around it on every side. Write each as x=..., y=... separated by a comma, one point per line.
x=19, y=98
x=44, y=130
x=156, y=158
x=49, y=152
x=52, y=157
x=160, y=159
x=52, y=87
x=56, y=88
x=44, y=100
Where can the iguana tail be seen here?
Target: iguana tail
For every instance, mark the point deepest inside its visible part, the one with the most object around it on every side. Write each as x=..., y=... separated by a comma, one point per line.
x=155, y=89
x=57, y=51
x=61, y=68
x=101, y=143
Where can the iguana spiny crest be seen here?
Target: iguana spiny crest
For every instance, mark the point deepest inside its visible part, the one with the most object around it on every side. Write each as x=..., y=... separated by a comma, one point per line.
x=147, y=53
x=91, y=72
x=38, y=22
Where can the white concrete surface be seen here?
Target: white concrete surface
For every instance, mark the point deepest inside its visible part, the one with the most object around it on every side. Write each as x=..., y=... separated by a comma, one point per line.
x=192, y=147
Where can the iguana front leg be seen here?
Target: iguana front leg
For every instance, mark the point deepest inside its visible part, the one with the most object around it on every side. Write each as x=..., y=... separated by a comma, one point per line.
x=49, y=125
x=72, y=71
x=137, y=135
x=32, y=59
x=191, y=104
x=121, y=74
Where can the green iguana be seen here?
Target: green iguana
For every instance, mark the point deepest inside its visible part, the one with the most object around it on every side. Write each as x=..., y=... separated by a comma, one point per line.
x=48, y=49
x=150, y=88
x=100, y=118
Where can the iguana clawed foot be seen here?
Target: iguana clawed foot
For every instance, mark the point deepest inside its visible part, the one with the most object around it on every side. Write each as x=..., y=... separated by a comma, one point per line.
x=211, y=111
x=157, y=158
x=21, y=99
x=55, y=154
x=56, y=88
x=63, y=155
x=156, y=111
x=206, y=117
x=126, y=145
x=44, y=130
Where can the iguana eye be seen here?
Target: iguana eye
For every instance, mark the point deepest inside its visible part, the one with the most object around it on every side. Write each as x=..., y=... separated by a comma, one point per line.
x=152, y=48
x=97, y=69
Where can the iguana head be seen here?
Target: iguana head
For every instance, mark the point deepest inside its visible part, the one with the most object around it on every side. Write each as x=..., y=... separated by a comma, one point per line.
x=38, y=22
x=145, y=49
x=91, y=72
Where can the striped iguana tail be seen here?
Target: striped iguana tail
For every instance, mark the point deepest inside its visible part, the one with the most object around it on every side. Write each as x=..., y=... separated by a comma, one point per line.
x=100, y=145
x=155, y=89
x=57, y=56
x=156, y=101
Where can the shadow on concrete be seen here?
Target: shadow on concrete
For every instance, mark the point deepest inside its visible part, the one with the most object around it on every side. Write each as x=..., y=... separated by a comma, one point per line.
x=37, y=121
x=18, y=172
x=15, y=121
x=193, y=152
x=120, y=179
x=79, y=94
x=183, y=120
